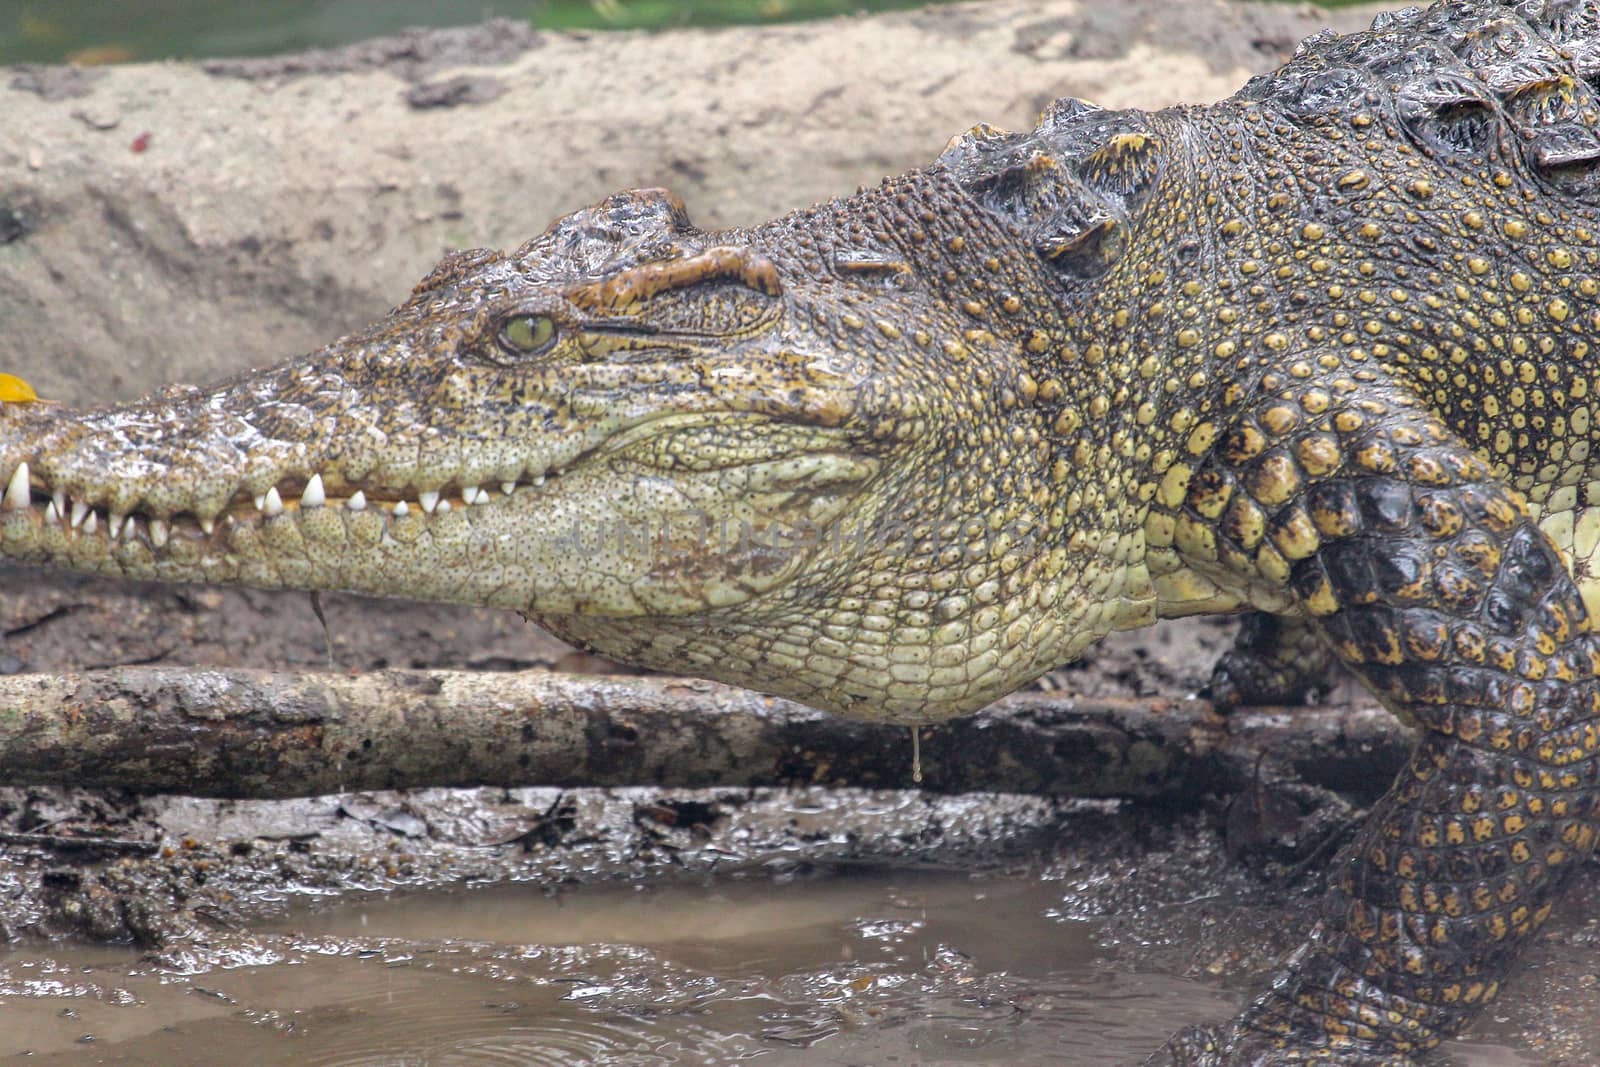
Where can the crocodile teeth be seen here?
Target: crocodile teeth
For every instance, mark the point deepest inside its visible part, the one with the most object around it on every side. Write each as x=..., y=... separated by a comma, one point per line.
x=158, y=532
x=207, y=525
x=357, y=502
x=429, y=502
x=17, y=492
x=80, y=511
x=444, y=506
x=400, y=508
x=469, y=494
x=60, y=498
x=538, y=481
x=50, y=512
x=272, y=503
x=114, y=526
x=508, y=488
x=313, y=497
x=91, y=522
x=261, y=502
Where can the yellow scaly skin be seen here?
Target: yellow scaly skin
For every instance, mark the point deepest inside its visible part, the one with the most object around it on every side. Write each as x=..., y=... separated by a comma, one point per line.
x=1321, y=350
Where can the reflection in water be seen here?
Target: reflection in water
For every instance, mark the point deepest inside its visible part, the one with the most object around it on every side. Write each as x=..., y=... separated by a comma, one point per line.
x=858, y=967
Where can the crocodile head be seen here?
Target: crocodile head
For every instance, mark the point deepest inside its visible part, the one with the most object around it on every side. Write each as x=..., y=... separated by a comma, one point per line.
x=768, y=456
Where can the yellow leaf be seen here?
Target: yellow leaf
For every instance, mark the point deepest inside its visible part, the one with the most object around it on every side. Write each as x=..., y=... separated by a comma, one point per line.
x=14, y=390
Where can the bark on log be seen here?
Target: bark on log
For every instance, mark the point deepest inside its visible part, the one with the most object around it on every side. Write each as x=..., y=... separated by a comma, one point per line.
x=264, y=734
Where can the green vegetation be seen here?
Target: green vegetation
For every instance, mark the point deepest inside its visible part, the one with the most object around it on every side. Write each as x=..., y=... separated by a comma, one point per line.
x=97, y=31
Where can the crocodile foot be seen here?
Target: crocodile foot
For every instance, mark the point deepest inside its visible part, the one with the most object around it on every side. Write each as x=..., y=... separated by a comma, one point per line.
x=1275, y=660
x=1237, y=1046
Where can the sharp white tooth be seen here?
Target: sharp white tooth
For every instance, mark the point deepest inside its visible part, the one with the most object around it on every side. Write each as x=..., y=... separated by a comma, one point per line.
x=272, y=503
x=17, y=492
x=357, y=502
x=50, y=512
x=113, y=526
x=400, y=508
x=444, y=506
x=429, y=501
x=313, y=497
x=158, y=532
x=92, y=522
x=60, y=497
x=208, y=524
x=80, y=511
x=538, y=481
x=261, y=502
x=508, y=488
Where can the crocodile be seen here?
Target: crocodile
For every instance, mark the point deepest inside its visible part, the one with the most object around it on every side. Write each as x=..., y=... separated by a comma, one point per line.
x=1319, y=352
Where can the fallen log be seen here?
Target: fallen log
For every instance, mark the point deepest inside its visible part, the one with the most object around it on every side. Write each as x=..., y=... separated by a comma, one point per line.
x=272, y=734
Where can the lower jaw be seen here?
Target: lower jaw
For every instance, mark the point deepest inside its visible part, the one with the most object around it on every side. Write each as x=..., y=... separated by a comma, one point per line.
x=376, y=550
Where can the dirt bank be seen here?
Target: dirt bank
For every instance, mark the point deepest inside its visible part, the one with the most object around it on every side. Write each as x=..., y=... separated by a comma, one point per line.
x=176, y=222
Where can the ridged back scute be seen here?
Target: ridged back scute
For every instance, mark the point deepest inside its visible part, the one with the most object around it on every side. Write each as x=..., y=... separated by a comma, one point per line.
x=1468, y=81
x=1071, y=184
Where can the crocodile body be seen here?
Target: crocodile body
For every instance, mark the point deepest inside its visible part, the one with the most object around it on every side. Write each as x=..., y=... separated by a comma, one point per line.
x=1322, y=351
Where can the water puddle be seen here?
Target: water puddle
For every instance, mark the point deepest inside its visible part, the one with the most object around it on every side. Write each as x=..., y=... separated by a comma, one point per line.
x=857, y=966
x=849, y=966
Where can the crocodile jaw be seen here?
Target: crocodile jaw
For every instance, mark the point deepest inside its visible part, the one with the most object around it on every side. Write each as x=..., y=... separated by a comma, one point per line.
x=590, y=520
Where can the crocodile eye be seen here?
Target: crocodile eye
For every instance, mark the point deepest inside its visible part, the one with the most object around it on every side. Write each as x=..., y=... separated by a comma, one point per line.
x=527, y=334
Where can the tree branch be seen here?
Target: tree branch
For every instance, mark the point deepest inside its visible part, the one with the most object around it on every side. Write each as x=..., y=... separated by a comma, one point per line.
x=265, y=734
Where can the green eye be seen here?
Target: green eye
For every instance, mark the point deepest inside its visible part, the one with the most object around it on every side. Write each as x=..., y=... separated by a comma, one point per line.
x=528, y=333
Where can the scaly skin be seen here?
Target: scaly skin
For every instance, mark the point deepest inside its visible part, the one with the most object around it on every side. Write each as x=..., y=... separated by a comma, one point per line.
x=1321, y=350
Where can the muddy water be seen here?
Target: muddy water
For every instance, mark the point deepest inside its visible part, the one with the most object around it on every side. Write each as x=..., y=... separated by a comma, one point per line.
x=857, y=966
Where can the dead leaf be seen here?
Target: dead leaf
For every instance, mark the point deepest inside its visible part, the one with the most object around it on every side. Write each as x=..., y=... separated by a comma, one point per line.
x=14, y=390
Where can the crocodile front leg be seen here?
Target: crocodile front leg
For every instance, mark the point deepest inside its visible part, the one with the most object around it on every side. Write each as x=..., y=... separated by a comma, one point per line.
x=1432, y=583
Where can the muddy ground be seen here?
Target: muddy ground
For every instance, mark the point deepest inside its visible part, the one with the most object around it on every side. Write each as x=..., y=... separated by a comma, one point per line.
x=274, y=204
